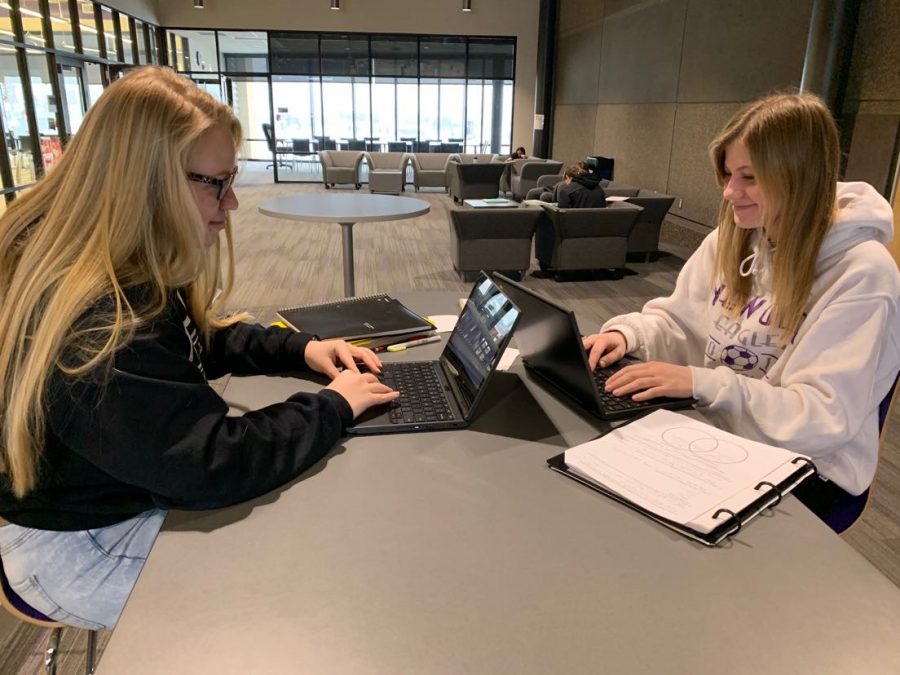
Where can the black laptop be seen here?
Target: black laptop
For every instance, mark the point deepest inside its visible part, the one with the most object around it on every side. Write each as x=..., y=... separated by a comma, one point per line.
x=548, y=339
x=443, y=394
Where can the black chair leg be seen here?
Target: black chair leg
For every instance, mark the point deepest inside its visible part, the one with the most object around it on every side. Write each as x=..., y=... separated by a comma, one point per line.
x=52, y=651
x=91, y=654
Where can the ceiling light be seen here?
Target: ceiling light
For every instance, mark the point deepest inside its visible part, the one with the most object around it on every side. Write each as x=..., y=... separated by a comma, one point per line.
x=198, y=4
x=335, y=4
x=467, y=5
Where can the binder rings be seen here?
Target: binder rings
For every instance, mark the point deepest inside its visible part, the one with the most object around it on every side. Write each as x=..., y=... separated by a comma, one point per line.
x=724, y=517
x=356, y=318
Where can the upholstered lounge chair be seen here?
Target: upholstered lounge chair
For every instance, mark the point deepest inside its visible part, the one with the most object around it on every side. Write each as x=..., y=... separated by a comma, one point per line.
x=340, y=166
x=644, y=238
x=525, y=173
x=387, y=171
x=430, y=169
x=496, y=239
x=585, y=239
x=473, y=181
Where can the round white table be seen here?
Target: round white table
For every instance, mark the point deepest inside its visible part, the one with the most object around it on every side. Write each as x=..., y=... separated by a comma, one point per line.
x=346, y=210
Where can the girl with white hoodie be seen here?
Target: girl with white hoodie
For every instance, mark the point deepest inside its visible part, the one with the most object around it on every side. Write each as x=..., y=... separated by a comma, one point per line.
x=783, y=325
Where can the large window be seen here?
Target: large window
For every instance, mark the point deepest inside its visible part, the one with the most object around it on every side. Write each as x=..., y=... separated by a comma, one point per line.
x=391, y=92
x=300, y=91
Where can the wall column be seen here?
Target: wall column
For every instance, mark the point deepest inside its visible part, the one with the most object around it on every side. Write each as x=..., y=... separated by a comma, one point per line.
x=829, y=47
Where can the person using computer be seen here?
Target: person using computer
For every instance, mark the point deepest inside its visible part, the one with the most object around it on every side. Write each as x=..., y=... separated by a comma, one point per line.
x=111, y=330
x=580, y=189
x=518, y=153
x=783, y=325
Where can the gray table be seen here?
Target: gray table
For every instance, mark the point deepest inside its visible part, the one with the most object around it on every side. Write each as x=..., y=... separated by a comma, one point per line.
x=346, y=210
x=460, y=552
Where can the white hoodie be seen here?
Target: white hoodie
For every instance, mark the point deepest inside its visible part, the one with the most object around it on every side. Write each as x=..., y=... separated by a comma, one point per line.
x=818, y=396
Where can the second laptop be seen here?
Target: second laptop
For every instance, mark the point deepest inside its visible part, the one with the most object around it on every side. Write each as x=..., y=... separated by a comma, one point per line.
x=551, y=347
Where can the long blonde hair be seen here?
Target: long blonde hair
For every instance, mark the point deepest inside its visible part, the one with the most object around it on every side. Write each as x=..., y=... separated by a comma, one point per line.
x=792, y=141
x=116, y=212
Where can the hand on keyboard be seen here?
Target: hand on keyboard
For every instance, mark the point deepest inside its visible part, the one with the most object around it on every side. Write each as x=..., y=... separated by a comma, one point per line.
x=362, y=391
x=651, y=379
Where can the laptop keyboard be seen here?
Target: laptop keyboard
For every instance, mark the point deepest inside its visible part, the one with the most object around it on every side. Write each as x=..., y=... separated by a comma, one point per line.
x=422, y=397
x=615, y=403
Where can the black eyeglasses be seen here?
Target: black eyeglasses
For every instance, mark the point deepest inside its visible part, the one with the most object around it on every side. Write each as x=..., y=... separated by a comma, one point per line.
x=222, y=184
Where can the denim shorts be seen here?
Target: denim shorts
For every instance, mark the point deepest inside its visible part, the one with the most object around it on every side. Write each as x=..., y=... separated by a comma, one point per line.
x=80, y=578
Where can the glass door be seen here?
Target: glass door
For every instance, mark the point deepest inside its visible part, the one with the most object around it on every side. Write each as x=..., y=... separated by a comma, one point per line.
x=74, y=93
x=249, y=99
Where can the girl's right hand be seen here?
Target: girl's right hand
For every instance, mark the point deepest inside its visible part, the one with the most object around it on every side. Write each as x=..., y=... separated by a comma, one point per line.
x=362, y=391
x=605, y=348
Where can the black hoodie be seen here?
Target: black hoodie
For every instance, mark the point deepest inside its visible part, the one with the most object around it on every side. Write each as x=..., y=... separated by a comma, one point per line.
x=584, y=192
x=150, y=431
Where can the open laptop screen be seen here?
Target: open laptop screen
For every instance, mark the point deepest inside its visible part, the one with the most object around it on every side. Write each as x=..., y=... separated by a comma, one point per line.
x=476, y=343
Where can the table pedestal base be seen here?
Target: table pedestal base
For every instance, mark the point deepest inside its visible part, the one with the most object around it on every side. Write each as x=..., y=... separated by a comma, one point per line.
x=347, y=245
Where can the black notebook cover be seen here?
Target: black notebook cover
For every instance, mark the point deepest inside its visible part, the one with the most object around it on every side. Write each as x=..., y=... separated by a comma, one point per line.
x=356, y=318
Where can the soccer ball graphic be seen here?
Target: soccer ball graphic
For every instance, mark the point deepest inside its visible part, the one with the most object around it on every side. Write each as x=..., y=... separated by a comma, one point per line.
x=738, y=358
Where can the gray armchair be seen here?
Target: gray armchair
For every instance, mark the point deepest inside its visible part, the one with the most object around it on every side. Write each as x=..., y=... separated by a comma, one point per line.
x=525, y=173
x=430, y=169
x=473, y=181
x=497, y=239
x=340, y=166
x=387, y=171
x=545, y=184
x=644, y=238
x=585, y=239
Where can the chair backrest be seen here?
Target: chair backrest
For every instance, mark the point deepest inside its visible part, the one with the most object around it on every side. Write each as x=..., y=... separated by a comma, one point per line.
x=549, y=181
x=356, y=144
x=533, y=169
x=615, y=221
x=397, y=146
x=12, y=603
x=270, y=135
x=620, y=191
x=326, y=143
x=479, y=173
x=391, y=161
x=300, y=144
x=341, y=158
x=655, y=208
x=431, y=161
x=495, y=223
x=471, y=158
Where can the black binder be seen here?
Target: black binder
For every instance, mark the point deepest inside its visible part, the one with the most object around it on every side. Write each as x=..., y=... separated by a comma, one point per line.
x=356, y=318
x=770, y=495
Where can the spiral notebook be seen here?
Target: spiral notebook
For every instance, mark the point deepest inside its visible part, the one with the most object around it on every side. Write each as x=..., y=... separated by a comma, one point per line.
x=696, y=479
x=369, y=316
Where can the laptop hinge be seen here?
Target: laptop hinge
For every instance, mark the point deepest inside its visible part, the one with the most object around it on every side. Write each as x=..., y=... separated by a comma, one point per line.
x=463, y=401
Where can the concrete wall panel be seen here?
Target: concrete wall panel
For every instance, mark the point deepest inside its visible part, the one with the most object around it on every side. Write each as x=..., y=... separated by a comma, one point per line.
x=691, y=176
x=573, y=132
x=641, y=51
x=578, y=67
x=735, y=50
x=639, y=139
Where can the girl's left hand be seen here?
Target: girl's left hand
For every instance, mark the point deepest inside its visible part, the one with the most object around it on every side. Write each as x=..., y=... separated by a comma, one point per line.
x=326, y=356
x=652, y=379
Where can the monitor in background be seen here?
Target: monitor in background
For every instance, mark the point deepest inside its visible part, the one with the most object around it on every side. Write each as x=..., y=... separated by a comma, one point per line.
x=602, y=167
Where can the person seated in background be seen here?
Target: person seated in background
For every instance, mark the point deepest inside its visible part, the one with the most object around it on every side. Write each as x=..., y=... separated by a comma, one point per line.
x=112, y=327
x=551, y=194
x=580, y=189
x=784, y=324
x=518, y=153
